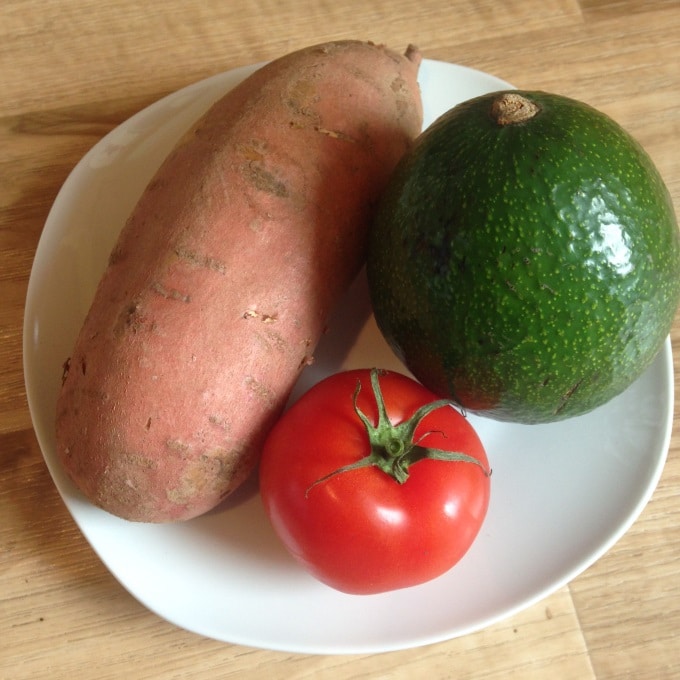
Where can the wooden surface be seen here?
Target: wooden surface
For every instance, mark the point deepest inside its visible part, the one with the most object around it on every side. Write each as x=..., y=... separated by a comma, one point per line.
x=70, y=71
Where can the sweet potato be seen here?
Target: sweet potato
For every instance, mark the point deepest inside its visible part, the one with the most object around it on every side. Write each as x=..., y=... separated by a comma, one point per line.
x=222, y=279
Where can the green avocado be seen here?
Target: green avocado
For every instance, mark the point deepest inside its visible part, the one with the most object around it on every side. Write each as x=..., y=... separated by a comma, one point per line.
x=525, y=258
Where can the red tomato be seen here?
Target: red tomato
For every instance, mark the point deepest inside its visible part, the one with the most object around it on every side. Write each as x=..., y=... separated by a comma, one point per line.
x=327, y=480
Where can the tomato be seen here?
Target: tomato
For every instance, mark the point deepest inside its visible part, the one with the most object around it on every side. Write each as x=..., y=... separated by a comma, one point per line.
x=372, y=483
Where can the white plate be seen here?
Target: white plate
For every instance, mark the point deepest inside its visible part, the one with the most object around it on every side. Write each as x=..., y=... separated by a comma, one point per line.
x=562, y=494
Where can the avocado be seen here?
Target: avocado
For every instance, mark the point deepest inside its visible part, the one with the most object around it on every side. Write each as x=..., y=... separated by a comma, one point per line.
x=524, y=261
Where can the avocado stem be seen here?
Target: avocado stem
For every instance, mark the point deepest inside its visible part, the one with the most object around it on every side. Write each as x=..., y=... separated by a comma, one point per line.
x=511, y=108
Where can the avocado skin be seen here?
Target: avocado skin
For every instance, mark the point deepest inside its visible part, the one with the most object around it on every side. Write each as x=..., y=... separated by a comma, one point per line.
x=528, y=272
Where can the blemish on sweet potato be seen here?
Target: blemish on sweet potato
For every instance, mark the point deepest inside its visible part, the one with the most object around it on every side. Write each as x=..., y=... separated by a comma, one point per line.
x=207, y=472
x=260, y=390
x=219, y=421
x=200, y=260
x=170, y=293
x=307, y=360
x=271, y=341
x=129, y=319
x=138, y=460
x=251, y=152
x=254, y=314
x=300, y=98
x=65, y=368
x=177, y=446
x=264, y=180
x=336, y=134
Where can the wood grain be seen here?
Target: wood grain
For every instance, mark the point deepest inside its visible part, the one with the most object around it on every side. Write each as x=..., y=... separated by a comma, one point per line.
x=70, y=71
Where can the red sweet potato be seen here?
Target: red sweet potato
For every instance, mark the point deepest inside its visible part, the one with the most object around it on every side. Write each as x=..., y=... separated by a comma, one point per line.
x=222, y=279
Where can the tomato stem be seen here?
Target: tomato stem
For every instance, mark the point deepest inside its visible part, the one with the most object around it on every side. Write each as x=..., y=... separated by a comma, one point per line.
x=393, y=447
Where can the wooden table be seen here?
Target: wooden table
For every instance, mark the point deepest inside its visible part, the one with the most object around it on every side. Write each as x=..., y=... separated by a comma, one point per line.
x=72, y=70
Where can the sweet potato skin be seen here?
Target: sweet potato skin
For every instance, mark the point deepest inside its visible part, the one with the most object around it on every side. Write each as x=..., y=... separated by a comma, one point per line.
x=222, y=279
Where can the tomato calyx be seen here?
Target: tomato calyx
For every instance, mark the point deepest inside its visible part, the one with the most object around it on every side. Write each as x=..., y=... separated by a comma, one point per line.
x=393, y=448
